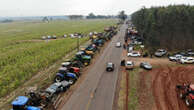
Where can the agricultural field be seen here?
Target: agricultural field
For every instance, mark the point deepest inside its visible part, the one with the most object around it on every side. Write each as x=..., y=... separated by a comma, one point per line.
x=23, y=53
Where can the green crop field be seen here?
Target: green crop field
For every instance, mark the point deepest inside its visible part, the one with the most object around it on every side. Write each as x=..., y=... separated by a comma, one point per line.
x=23, y=53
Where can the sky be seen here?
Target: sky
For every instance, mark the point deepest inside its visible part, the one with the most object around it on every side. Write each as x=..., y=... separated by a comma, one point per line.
x=83, y=7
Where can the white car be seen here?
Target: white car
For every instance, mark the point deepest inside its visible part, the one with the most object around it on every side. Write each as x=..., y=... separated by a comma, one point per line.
x=133, y=54
x=176, y=57
x=129, y=65
x=160, y=53
x=188, y=60
x=118, y=44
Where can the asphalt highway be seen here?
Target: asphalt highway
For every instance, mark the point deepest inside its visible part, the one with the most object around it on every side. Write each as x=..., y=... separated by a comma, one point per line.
x=97, y=91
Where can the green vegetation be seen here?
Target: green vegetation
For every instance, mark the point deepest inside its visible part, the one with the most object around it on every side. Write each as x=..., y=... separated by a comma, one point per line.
x=166, y=27
x=23, y=54
x=133, y=86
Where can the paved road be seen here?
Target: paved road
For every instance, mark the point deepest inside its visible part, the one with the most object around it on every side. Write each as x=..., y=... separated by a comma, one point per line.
x=97, y=91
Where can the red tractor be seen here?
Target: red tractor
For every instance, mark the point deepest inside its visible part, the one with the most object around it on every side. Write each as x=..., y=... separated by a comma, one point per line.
x=71, y=69
x=186, y=92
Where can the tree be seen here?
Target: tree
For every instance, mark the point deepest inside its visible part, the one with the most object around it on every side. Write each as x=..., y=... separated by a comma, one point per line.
x=45, y=19
x=75, y=16
x=122, y=15
x=91, y=16
x=168, y=27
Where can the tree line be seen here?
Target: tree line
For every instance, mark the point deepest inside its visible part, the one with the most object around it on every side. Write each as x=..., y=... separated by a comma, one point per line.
x=170, y=27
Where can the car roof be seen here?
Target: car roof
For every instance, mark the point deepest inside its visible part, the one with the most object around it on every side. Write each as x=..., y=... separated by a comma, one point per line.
x=109, y=63
x=178, y=55
x=80, y=52
x=146, y=63
x=129, y=62
x=20, y=100
x=66, y=63
x=63, y=68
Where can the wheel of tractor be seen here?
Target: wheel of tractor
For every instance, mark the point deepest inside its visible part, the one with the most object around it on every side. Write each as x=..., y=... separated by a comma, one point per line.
x=58, y=79
x=188, y=102
x=181, y=95
x=72, y=81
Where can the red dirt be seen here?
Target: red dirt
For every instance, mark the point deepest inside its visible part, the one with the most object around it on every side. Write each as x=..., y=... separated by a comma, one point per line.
x=162, y=83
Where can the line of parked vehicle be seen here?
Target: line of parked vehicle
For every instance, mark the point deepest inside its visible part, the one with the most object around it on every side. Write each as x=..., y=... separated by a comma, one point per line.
x=180, y=57
x=183, y=57
x=184, y=91
x=67, y=75
x=75, y=35
x=135, y=40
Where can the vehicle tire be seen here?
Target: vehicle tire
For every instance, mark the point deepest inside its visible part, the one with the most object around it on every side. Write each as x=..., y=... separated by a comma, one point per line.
x=188, y=102
x=181, y=95
x=58, y=79
x=64, y=89
x=72, y=81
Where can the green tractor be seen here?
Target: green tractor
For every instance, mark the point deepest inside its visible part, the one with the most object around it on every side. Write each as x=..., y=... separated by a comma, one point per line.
x=85, y=59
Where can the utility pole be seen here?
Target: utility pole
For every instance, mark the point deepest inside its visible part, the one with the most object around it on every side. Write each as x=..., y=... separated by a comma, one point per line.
x=78, y=43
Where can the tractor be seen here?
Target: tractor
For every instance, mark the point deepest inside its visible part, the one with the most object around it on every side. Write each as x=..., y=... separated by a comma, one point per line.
x=71, y=69
x=63, y=74
x=85, y=59
x=91, y=47
x=98, y=42
x=186, y=92
x=22, y=103
x=87, y=52
x=74, y=63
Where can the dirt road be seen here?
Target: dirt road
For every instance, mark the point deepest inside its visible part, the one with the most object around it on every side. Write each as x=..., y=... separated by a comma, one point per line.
x=162, y=83
x=97, y=91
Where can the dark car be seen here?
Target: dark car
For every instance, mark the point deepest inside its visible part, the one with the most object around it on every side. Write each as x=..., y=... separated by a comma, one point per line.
x=110, y=67
x=146, y=65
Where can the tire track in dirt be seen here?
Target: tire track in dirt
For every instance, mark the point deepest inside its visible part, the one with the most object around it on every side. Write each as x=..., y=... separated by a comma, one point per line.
x=157, y=91
x=164, y=83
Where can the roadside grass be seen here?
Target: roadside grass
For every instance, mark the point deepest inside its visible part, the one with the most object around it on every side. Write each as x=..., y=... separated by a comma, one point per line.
x=19, y=61
x=133, y=87
x=133, y=101
x=122, y=92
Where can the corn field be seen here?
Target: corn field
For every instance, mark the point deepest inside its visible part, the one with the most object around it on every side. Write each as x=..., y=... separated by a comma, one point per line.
x=21, y=56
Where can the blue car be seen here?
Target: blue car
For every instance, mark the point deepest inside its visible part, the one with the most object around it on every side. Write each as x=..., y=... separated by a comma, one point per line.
x=21, y=103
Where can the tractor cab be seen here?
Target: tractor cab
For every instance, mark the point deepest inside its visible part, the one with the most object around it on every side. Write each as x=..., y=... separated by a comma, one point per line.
x=87, y=52
x=62, y=70
x=85, y=59
x=98, y=42
x=66, y=64
x=22, y=103
x=91, y=47
x=63, y=74
x=70, y=68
